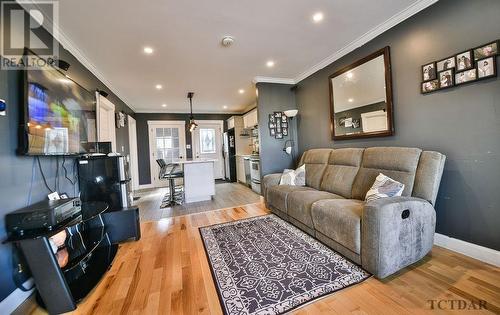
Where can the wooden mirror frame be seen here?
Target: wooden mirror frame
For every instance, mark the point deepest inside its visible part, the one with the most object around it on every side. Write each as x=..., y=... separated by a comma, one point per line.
x=388, y=91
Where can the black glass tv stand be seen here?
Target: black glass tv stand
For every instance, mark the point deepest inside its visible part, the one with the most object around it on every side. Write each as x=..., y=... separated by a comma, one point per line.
x=90, y=245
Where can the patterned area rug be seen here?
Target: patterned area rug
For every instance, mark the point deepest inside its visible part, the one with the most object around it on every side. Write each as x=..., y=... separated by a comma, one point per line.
x=264, y=265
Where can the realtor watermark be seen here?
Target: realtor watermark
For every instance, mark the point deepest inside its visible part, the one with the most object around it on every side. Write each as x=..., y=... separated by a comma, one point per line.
x=457, y=305
x=29, y=33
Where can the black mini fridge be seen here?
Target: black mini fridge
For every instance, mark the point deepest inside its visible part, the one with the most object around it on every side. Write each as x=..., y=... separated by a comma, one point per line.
x=105, y=178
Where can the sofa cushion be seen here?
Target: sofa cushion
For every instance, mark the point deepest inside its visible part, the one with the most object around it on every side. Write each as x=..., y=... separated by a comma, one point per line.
x=399, y=164
x=340, y=220
x=428, y=176
x=316, y=161
x=299, y=204
x=343, y=165
x=277, y=195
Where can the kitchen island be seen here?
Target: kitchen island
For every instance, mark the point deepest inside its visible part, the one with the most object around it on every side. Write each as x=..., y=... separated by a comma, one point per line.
x=199, y=180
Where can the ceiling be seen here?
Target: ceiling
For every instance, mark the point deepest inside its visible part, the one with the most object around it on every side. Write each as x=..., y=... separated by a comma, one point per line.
x=109, y=37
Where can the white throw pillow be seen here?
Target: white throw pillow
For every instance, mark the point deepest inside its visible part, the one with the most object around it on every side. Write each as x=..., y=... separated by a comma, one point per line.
x=384, y=187
x=294, y=177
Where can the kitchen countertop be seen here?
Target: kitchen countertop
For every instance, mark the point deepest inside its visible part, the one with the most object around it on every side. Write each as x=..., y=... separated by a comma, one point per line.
x=192, y=161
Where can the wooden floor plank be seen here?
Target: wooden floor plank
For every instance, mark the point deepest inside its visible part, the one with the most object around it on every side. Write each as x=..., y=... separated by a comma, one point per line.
x=167, y=272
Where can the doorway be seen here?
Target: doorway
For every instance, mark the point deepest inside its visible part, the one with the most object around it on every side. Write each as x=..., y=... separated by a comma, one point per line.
x=167, y=140
x=207, y=144
x=132, y=140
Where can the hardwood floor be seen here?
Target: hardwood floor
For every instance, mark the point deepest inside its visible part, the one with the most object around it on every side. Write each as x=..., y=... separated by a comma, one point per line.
x=226, y=195
x=167, y=272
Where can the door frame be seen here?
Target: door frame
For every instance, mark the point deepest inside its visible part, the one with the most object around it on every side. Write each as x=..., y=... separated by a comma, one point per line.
x=134, y=161
x=220, y=152
x=152, y=159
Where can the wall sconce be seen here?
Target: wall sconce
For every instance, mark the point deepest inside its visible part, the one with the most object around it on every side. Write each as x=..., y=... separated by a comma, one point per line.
x=3, y=107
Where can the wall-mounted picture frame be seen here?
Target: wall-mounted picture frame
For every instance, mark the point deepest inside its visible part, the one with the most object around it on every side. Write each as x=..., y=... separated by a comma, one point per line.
x=486, y=68
x=279, y=135
x=465, y=76
x=429, y=86
x=445, y=64
x=464, y=61
x=278, y=125
x=271, y=118
x=446, y=79
x=487, y=50
x=272, y=132
x=429, y=72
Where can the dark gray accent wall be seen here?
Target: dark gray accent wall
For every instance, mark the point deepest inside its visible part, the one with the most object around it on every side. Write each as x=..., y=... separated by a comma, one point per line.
x=143, y=137
x=16, y=171
x=461, y=122
x=274, y=98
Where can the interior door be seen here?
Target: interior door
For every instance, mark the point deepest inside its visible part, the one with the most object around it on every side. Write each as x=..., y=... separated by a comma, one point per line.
x=134, y=165
x=168, y=142
x=106, y=131
x=207, y=142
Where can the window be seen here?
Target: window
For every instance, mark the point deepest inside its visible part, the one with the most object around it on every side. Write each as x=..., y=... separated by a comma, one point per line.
x=167, y=144
x=207, y=140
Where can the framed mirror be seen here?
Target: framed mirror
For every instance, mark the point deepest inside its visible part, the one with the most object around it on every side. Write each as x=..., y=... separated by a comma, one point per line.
x=361, y=98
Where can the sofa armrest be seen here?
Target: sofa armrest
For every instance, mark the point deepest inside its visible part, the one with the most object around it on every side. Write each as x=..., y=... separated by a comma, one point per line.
x=269, y=181
x=395, y=233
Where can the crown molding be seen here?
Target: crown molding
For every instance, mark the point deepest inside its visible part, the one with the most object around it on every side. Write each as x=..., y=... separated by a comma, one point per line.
x=167, y=111
x=368, y=36
x=260, y=79
x=67, y=44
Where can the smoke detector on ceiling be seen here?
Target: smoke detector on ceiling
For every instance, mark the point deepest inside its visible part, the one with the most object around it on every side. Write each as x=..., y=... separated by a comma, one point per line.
x=227, y=41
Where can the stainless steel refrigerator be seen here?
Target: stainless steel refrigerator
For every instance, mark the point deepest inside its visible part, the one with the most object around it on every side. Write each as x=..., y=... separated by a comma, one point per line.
x=230, y=155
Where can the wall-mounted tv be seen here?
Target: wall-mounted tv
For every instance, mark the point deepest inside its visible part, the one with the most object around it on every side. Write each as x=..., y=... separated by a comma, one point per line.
x=59, y=115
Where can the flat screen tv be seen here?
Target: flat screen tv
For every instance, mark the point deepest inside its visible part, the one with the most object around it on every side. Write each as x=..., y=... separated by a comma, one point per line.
x=59, y=115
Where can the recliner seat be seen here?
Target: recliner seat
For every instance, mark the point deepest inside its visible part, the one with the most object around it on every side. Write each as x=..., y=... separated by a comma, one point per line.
x=384, y=235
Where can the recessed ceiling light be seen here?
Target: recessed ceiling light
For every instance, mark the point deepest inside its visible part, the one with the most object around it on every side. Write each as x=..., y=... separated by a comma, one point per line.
x=349, y=75
x=241, y=91
x=163, y=105
x=350, y=100
x=270, y=64
x=318, y=17
x=159, y=87
x=225, y=107
x=148, y=50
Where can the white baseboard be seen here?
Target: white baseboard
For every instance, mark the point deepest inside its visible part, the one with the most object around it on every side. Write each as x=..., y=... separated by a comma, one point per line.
x=478, y=252
x=16, y=298
x=146, y=186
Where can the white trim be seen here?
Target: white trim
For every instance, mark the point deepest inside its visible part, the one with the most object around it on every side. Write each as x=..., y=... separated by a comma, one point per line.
x=478, y=252
x=69, y=45
x=166, y=122
x=16, y=298
x=360, y=41
x=134, y=158
x=146, y=186
x=260, y=79
x=168, y=111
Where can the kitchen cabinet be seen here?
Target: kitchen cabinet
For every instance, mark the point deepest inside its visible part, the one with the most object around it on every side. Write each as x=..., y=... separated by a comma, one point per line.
x=240, y=169
x=230, y=123
x=250, y=120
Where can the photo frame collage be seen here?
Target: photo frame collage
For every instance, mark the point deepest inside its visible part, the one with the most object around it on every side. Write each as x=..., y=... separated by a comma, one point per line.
x=278, y=125
x=465, y=67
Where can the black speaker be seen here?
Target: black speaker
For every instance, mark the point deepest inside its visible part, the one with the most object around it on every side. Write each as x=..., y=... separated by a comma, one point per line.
x=123, y=225
x=61, y=64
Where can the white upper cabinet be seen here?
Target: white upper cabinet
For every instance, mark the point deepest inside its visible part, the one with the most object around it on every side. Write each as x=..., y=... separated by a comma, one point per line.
x=250, y=120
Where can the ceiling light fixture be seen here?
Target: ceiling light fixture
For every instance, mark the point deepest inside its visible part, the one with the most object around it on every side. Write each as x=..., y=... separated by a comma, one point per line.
x=159, y=87
x=349, y=75
x=241, y=91
x=225, y=107
x=318, y=17
x=270, y=64
x=163, y=105
x=227, y=41
x=148, y=50
x=350, y=100
x=192, y=123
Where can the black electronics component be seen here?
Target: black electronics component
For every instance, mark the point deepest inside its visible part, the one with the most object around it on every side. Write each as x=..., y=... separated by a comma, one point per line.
x=44, y=215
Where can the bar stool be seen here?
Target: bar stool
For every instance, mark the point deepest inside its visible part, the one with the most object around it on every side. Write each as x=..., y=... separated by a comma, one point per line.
x=171, y=172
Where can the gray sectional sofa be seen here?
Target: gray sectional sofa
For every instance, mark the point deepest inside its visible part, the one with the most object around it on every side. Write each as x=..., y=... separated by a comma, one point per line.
x=384, y=235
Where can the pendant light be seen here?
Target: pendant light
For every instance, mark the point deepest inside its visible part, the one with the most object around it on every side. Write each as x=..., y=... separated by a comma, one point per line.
x=192, y=123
